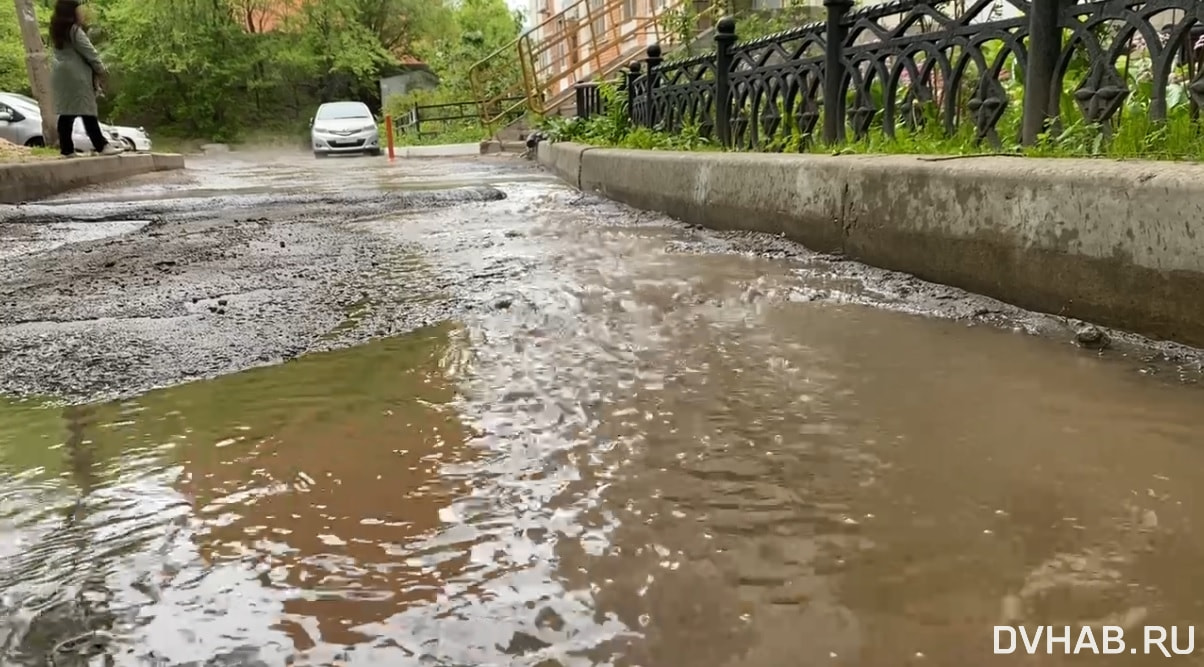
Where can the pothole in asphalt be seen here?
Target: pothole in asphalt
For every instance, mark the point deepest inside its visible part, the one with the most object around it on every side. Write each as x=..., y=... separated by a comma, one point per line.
x=25, y=239
x=330, y=464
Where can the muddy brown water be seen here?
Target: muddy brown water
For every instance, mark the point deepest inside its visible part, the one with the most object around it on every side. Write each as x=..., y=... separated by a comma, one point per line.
x=637, y=447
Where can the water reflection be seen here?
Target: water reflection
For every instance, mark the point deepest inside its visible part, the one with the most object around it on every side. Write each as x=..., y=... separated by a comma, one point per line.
x=291, y=494
x=626, y=456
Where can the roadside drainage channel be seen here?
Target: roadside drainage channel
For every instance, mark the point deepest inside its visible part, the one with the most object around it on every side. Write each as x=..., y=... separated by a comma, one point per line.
x=1100, y=241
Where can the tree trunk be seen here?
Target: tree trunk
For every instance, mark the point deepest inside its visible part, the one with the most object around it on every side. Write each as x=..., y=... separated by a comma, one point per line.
x=38, y=67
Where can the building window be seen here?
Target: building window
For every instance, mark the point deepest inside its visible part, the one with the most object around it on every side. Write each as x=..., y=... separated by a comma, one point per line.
x=629, y=9
x=598, y=10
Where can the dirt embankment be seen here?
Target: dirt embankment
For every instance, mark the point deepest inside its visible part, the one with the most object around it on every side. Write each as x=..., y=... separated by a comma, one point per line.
x=10, y=152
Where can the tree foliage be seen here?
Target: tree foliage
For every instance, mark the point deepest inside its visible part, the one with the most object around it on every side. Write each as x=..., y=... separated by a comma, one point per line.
x=12, y=55
x=219, y=68
x=477, y=29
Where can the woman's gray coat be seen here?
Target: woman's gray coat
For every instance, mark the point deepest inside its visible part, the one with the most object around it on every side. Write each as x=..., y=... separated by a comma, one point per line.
x=72, y=77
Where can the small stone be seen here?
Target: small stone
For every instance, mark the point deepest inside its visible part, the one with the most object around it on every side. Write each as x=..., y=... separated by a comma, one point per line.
x=1091, y=337
x=221, y=302
x=522, y=643
x=502, y=304
x=1013, y=609
x=512, y=234
x=548, y=619
x=1149, y=519
x=282, y=244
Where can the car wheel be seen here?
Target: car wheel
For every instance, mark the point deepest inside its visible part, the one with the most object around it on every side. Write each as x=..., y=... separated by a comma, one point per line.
x=373, y=151
x=318, y=154
x=36, y=142
x=129, y=144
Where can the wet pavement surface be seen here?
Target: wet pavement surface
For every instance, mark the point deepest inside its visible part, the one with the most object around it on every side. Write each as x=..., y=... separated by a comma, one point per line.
x=516, y=425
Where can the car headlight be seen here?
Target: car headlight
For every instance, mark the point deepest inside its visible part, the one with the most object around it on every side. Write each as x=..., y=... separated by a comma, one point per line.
x=368, y=128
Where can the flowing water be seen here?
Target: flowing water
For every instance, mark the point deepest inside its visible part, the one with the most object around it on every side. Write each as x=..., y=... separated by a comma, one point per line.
x=633, y=451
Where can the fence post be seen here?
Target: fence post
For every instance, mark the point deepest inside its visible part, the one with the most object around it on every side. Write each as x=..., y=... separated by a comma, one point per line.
x=725, y=37
x=632, y=74
x=654, y=61
x=415, y=120
x=389, y=133
x=1044, y=46
x=834, y=70
x=579, y=100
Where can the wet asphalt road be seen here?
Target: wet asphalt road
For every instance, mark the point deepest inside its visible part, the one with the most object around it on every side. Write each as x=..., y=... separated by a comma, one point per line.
x=228, y=265
x=525, y=426
x=241, y=261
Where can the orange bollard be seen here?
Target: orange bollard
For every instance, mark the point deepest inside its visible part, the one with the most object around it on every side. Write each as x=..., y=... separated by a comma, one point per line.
x=389, y=135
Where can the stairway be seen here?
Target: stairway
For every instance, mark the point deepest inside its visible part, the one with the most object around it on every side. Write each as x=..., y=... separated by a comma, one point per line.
x=588, y=40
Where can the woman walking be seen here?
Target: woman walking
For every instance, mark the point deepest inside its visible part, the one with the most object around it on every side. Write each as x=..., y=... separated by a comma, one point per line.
x=74, y=79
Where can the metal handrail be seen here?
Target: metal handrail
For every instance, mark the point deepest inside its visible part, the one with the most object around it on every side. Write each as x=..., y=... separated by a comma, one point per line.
x=545, y=87
x=418, y=115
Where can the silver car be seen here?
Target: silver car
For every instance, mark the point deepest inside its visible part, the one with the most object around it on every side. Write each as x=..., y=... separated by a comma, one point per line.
x=21, y=124
x=344, y=127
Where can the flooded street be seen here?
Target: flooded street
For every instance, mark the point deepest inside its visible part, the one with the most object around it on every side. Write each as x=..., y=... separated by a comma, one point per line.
x=455, y=413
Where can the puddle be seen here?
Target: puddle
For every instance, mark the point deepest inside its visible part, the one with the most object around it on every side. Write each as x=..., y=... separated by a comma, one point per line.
x=278, y=507
x=640, y=445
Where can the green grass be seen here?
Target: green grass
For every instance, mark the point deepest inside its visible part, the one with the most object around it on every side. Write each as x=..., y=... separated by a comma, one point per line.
x=1132, y=135
x=169, y=139
x=461, y=134
x=10, y=154
x=1135, y=137
x=293, y=138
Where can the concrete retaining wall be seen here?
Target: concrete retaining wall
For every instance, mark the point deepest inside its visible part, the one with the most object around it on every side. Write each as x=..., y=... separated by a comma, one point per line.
x=1116, y=243
x=28, y=181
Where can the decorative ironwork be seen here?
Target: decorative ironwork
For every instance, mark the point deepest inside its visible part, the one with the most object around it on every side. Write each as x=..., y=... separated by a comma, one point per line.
x=685, y=95
x=1106, y=39
x=637, y=96
x=962, y=66
x=777, y=87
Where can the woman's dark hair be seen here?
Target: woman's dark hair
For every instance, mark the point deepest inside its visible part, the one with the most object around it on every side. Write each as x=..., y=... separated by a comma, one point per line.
x=61, y=22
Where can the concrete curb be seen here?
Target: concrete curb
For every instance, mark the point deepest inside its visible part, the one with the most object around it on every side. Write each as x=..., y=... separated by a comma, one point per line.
x=494, y=147
x=29, y=181
x=437, y=150
x=1110, y=242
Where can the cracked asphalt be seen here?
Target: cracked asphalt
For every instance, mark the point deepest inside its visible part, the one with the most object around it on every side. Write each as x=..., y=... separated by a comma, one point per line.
x=245, y=260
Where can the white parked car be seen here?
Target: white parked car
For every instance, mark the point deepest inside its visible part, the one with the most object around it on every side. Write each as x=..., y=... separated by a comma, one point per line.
x=21, y=124
x=342, y=128
x=134, y=138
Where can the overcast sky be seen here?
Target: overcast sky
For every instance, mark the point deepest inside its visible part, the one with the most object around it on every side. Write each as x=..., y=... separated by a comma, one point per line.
x=518, y=4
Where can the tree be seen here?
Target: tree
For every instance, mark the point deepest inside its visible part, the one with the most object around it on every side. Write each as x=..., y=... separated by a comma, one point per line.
x=187, y=59
x=479, y=28
x=37, y=66
x=343, y=53
x=13, y=76
x=213, y=68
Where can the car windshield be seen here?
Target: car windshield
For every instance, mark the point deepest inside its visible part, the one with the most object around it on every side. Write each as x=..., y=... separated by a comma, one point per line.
x=18, y=104
x=342, y=110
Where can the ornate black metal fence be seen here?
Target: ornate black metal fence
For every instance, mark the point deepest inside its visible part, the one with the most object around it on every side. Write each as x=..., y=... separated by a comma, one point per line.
x=994, y=66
